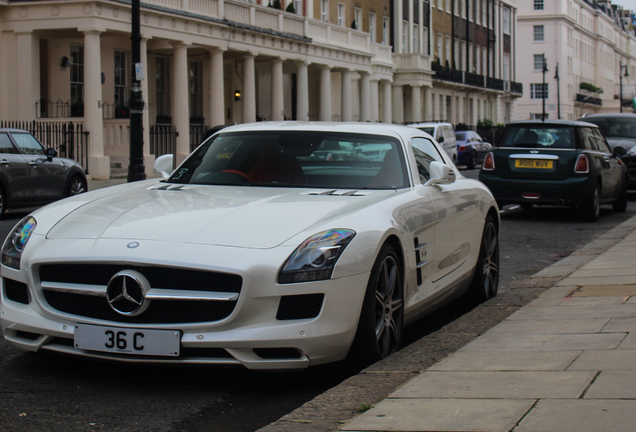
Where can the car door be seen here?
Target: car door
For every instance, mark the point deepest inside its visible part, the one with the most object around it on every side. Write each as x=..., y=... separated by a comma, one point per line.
x=14, y=173
x=457, y=223
x=612, y=169
x=46, y=175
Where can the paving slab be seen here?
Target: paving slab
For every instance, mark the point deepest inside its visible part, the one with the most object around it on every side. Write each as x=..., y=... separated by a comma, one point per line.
x=629, y=343
x=557, y=326
x=442, y=415
x=627, y=324
x=496, y=384
x=613, y=385
x=587, y=272
x=620, y=291
x=580, y=415
x=493, y=341
x=603, y=360
x=599, y=280
x=558, y=312
x=507, y=361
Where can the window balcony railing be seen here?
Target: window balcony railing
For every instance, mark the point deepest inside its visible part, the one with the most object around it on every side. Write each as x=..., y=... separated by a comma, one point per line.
x=588, y=99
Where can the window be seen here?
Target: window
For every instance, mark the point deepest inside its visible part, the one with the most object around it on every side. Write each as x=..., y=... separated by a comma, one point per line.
x=372, y=27
x=448, y=6
x=538, y=5
x=539, y=33
x=120, y=84
x=161, y=80
x=440, y=4
x=438, y=53
x=341, y=14
x=416, y=38
x=77, y=81
x=385, y=30
x=405, y=36
x=425, y=152
x=538, y=91
x=538, y=62
x=477, y=11
x=196, y=98
x=324, y=10
x=506, y=21
x=425, y=49
x=298, y=7
x=6, y=146
x=357, y=17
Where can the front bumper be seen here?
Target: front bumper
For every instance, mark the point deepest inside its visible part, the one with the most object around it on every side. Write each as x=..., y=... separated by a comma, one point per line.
x=254, y=334
x=572, y=191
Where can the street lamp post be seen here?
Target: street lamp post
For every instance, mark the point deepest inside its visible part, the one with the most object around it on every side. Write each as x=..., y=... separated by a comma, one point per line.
x=136, y=170
x=545, y=69
x=620, y=82
x=556, y=77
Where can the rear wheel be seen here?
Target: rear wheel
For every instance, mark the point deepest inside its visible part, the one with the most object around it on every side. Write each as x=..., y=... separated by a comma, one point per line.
x=472, y=162
x=3, y=201
x=592, y=209
x=380, y=328
x=620, y=205
x=77, y=185
x=485, y=283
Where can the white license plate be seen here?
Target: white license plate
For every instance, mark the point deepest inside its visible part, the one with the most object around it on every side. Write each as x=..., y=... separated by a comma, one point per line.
x=127, y=340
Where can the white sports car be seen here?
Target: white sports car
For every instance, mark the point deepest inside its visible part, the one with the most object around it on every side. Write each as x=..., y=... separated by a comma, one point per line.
x=273, y=246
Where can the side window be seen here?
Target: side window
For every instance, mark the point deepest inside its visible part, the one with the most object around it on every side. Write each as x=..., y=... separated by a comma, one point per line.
x=425, y=152
x=5, y=144
x=28, y=144
x=601, y=142
x=588, y=141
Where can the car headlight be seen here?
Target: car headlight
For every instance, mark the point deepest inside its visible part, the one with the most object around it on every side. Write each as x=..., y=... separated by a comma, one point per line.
x=632, y=151
x=16, y=241
x=316, y=257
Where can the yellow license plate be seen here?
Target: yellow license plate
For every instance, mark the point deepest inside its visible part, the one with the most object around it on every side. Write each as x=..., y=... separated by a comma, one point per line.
x=533, y=163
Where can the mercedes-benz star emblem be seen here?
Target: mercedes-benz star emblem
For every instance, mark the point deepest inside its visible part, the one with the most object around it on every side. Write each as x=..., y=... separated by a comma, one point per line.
x=126, y=293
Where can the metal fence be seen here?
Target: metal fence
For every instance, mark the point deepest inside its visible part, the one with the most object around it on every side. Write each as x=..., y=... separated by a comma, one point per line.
x=69, y=139
x=163, y=138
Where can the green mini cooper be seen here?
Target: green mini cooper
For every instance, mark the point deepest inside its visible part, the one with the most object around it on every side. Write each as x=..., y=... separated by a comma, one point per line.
x=556, y=163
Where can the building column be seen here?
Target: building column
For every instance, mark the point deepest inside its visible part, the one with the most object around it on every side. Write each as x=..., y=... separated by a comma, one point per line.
x=387, y=101
x=98, y=163
x=277, y=90
x=302, y=91
x=365, y=96
x=416, y=103
x=217, y=89
x=149, y=159
x=249, y=89
x=325, y=93
x=28, y=62
x=398, y=104
x=374, y=100
x=181, y=106
x=428, y=104
x=461, y=111
x=346, y=95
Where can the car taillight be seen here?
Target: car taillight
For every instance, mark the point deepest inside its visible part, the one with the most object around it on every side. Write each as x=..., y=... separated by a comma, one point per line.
x=582, y=165
x=489, y=162
x=462, y=148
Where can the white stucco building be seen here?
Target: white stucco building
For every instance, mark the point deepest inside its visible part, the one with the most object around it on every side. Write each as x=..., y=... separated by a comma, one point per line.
x=590, y=41
x=214, y=62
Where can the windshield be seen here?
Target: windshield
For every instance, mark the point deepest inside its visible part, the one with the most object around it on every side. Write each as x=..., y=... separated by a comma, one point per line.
x=460, y=136
x=540, y=136
x=614, y=127
x=296, y=159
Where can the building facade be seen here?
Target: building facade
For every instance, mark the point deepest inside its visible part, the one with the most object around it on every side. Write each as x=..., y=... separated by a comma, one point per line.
x=579, y=58
x=215, y=62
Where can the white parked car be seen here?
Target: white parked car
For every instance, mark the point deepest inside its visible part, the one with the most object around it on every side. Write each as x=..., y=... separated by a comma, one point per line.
x=443, y=133
x=253, y=252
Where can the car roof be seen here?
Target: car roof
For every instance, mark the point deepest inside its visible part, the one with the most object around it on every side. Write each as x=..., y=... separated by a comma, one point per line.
x=552, y=123
x=609, y=115
x=429, y=124
x=13, y=130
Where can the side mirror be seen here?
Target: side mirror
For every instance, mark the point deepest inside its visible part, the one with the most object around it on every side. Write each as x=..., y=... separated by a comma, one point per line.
x=440, y=139
x=441, y=174
x=50, y=153
x=164, y=165
x=619, y=151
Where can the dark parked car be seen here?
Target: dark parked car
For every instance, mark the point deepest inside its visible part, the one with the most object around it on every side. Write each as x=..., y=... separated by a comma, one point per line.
x=471, y=148
x=620, y=131
x=574, y=167
x=32, y=175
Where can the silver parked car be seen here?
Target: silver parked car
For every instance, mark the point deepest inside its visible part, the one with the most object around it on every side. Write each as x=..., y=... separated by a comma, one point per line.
x=32, y=175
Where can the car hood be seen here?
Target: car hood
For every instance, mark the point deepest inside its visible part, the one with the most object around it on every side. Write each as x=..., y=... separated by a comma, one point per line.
x=626, y=143
x=254, y=217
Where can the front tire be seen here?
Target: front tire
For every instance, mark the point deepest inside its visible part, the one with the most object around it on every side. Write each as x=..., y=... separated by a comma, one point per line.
x=485, y=282
x=379, y=330
x=620, y=205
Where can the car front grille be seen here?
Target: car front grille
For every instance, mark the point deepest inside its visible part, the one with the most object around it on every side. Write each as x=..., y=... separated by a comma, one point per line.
x=630, y=162
x=68, y=296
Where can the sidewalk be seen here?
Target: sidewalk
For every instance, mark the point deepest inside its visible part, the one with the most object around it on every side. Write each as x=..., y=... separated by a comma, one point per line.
x=566, y=362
